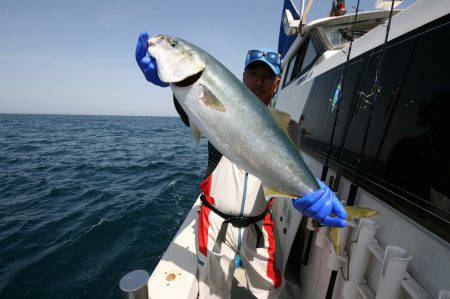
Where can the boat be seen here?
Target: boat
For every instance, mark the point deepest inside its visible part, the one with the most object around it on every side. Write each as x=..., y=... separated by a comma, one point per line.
x=371, y=94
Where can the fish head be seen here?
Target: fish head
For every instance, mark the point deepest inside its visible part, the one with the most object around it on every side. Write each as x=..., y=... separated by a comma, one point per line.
x=176, y=59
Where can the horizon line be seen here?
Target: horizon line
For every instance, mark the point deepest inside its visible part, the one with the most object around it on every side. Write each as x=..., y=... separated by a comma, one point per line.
x=71, y=114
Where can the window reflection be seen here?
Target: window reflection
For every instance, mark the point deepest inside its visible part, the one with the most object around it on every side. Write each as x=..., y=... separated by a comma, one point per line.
x=420, y=161
x=408, y=144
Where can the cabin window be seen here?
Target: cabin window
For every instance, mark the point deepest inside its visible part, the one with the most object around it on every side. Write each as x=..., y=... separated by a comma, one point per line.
x=415, y=154
x=320, y=111
x=302, y=61
x=345, y=106
x=340, y=35
x=318, y=118
x=290, y=67
x=406, y=160
x=306, y=55
x=408, y=146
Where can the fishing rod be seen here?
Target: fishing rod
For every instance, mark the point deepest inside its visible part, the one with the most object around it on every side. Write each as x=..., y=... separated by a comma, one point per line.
x=339, y=87
x=376, y=90
x=339, y=170
x=396, y=96
x=375, y=94
x=323, y=177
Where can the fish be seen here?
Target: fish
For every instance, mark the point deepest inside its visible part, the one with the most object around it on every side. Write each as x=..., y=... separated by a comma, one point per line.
x=353, y=212
x=222, y=109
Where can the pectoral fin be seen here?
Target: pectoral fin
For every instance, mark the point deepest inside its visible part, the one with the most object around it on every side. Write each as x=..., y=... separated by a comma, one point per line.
x=195, y=131
x=282, y=118
x=210, y=100
x=268, y=192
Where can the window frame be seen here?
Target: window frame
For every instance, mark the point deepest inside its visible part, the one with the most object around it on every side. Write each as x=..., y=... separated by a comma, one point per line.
x=319, y=46
x=305, y=46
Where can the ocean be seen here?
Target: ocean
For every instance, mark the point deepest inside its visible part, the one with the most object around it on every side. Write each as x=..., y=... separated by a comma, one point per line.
x=86, y=199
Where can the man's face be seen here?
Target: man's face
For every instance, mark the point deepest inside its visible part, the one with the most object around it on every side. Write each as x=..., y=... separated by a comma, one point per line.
x=260, y=79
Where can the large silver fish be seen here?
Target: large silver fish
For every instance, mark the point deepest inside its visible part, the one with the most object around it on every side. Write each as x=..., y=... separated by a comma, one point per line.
x=230, y=116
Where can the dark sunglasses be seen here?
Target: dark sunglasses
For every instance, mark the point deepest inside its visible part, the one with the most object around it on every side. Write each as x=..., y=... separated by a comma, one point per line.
x=272, y=57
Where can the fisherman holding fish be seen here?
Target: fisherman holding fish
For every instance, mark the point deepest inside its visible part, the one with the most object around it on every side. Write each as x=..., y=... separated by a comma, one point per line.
x=259, y=160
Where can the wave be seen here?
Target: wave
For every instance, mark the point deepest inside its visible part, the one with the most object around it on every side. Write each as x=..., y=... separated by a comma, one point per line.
x=87, y=199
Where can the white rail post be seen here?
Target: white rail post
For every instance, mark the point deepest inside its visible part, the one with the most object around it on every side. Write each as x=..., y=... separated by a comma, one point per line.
x=359, y=257
x=444, y=294
x=395, y=262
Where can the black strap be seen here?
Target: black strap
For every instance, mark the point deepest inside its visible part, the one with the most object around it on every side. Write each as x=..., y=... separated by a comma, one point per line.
x=236, y=221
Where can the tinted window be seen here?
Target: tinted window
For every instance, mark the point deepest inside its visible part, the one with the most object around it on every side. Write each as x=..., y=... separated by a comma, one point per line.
x=347, y=102
x=359, y=117
x=396, y=64
x=415, y=152
x=318, y=113
x=392, y=72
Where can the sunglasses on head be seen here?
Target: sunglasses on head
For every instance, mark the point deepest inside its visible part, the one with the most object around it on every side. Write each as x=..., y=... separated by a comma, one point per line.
x=272, y=57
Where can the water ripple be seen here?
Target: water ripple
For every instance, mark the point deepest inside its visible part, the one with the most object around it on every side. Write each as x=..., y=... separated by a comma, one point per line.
x=85, y=199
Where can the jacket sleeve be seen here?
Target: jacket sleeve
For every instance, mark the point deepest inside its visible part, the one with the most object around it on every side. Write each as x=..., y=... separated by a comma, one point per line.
x=183, y=115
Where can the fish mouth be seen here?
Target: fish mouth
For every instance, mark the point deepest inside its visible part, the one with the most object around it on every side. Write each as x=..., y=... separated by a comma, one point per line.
x=189, y=80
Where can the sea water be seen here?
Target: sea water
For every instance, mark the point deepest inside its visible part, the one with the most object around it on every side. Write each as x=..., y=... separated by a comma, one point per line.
x=86, y=199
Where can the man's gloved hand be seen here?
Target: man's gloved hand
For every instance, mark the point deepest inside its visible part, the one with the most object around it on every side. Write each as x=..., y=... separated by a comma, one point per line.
x=147, y=63
x=320, y=204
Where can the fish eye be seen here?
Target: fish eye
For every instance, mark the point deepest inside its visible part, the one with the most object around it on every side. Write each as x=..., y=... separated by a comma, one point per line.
x=173, y=44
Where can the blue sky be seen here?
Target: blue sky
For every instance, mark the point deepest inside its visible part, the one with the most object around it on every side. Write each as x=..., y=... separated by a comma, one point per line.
x=77, y=57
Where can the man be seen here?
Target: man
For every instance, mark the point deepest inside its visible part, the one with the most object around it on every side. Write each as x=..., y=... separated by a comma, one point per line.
x=235, y=223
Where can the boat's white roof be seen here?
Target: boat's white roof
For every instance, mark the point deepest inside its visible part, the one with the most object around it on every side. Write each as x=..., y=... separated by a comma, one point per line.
x=345, y=19
x=405, y=20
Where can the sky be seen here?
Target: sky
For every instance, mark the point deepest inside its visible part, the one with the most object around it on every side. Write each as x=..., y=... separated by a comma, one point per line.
x=77, y=57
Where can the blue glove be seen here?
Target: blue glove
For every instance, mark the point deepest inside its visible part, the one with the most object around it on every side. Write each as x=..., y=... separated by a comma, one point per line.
x=147, y=63
x=320, y=204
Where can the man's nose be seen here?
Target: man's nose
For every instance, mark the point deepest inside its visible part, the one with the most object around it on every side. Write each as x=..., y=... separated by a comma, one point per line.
x=258, y=80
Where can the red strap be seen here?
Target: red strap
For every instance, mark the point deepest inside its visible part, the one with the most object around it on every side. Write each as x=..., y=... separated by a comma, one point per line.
x=203, y=217
x=272, y=271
